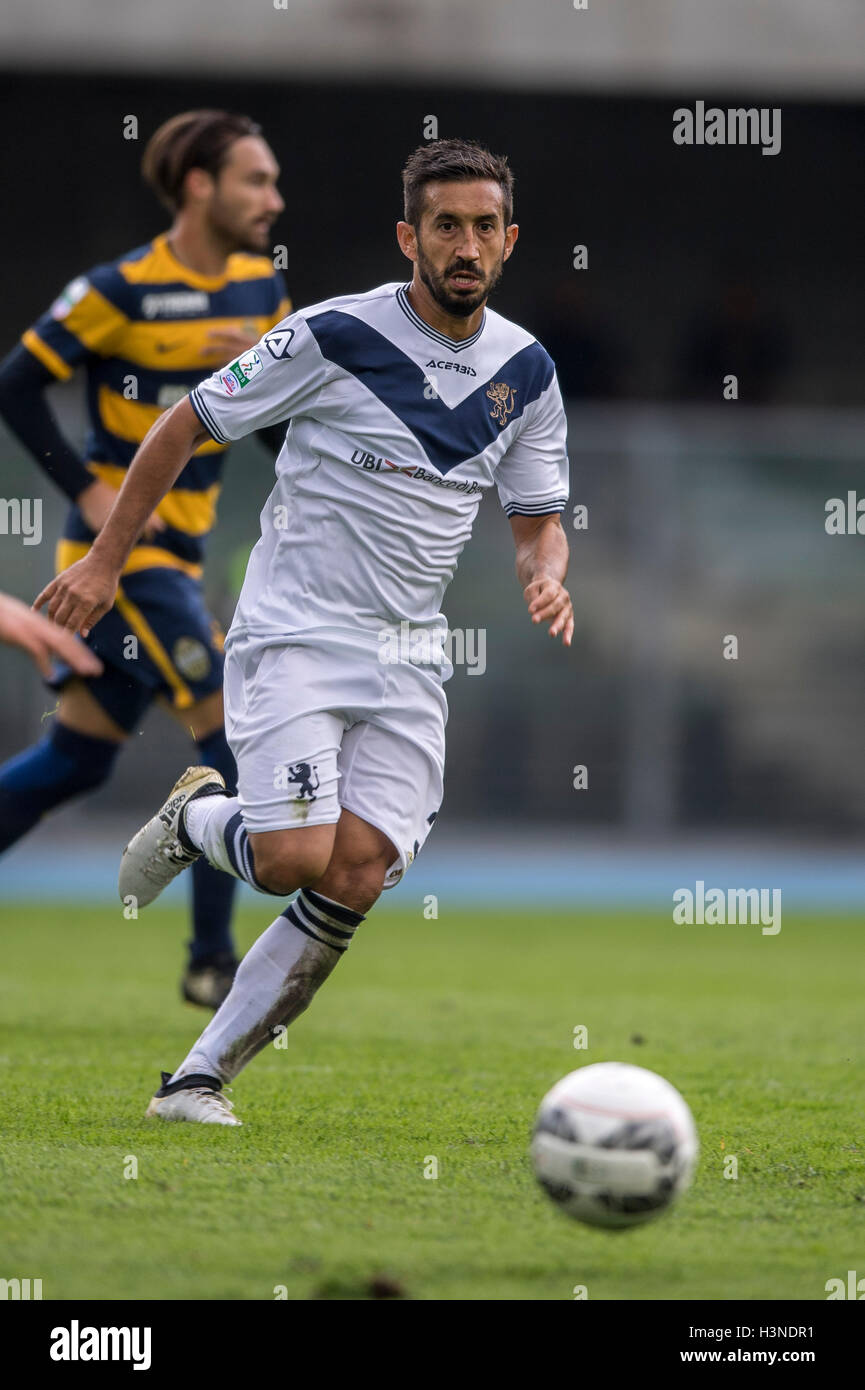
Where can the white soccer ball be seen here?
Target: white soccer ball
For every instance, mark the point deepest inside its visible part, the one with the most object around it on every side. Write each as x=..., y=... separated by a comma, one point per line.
x=614, y=1145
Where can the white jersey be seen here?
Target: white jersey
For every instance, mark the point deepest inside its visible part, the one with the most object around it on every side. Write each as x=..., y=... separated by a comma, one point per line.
x=395, y=433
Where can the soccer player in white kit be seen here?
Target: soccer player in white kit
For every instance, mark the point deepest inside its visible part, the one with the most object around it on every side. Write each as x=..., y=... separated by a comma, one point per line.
x=403, y=406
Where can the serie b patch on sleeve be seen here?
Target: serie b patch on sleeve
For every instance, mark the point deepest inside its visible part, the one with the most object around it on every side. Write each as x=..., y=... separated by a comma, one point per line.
x=247, y=366
x=69, y=297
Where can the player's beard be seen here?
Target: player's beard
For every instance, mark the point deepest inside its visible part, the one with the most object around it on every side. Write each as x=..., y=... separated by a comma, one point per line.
x=236, y=235
x=460, y=306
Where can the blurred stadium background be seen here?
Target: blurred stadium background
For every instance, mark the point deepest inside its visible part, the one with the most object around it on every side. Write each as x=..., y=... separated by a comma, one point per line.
x=705, y=517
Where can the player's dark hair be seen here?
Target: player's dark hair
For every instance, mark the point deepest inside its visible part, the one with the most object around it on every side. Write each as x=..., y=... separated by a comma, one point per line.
x=192, y=140
x=449, y=161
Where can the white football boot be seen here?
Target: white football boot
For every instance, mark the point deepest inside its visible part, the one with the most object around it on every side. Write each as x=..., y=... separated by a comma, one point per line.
x=160, y=849
x=195, y=1098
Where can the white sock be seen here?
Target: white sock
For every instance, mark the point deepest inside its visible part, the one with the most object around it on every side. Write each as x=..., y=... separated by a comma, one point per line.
x=214, y=824
x=275, y=982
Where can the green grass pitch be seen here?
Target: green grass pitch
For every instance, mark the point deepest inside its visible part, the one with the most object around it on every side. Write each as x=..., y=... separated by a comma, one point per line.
x=433, y=1039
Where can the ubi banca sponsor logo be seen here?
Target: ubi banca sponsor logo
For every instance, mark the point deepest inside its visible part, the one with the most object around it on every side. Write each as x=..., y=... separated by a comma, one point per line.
x=728, y=906
x=377, y=463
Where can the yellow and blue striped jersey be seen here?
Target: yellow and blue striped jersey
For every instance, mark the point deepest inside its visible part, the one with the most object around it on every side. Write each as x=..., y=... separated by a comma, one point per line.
x=140, y=327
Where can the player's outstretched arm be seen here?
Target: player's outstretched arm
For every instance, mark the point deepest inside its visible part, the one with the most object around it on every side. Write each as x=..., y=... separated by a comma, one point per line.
x=542, y=563
x=82, y=594
x=21, y=627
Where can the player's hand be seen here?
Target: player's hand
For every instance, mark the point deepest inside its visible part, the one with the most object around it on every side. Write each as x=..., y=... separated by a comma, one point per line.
x=95, y=504
x=81, y=595
x=21, y=627
x=549, y=601
x=225, y=343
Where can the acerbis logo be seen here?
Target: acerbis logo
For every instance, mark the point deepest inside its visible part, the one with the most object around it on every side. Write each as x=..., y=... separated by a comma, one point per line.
x=277, y=342
x=452, y=367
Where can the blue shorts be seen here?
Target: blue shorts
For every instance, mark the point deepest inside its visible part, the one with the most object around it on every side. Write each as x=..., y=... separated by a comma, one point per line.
x=158, y=639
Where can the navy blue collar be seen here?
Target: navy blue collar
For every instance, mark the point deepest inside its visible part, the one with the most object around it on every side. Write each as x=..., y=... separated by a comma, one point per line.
x=403, y=302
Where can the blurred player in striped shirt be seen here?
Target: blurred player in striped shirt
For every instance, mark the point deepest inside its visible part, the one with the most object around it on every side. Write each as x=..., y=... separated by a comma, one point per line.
x=144, y=327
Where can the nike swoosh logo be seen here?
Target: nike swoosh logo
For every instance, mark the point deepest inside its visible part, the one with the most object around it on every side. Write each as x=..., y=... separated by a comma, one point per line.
x=169, y=347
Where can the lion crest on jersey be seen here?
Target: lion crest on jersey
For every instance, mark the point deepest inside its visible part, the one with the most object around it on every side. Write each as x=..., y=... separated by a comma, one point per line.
x=503, y=396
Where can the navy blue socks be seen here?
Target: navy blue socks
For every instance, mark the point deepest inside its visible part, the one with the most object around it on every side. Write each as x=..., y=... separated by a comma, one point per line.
x=213, y=891
x=62, y=765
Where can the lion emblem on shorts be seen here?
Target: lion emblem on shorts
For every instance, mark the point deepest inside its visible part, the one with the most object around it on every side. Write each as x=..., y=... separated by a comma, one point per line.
x=503, y=396
x=303, y=776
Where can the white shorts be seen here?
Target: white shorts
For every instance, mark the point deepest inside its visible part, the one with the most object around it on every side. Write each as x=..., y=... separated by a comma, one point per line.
x=316, y=728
